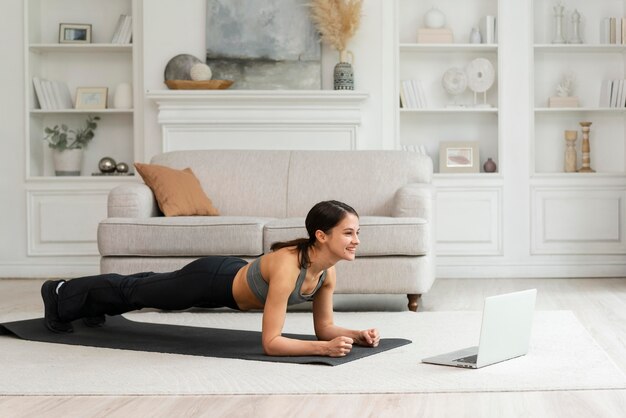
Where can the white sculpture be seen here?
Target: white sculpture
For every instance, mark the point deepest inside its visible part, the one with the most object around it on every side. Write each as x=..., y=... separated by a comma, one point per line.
x=454, y=81
x=434, y=19
x=480, y=77
x=576, y=39
x=566, y=86
x=200, y=72
x=558, y=23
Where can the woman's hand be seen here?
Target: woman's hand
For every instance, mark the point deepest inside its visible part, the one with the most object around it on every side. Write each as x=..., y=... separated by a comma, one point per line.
x=367, y=338
x=339, y=347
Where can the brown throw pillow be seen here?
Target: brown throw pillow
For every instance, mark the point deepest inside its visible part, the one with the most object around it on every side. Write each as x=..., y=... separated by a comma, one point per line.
x=178, y=192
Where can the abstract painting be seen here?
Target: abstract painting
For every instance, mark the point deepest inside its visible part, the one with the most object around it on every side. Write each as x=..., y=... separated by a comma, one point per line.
x=263, y=44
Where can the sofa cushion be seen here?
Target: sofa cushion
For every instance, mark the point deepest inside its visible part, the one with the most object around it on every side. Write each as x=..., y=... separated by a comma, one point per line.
x=178, y=192
x=379, y=236
x=182, y=236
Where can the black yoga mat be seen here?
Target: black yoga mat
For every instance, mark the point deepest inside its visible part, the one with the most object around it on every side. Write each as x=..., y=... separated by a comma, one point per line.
x=124, y=334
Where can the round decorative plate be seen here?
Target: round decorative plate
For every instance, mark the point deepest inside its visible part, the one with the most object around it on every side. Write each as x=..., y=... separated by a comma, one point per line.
x=454, y=81
x=480, y=75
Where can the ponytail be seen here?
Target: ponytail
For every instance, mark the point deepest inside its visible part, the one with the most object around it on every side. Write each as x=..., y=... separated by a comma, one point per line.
x=302, y=245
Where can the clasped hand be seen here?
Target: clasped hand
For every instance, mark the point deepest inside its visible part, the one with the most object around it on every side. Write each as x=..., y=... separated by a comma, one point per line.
x=341, y=346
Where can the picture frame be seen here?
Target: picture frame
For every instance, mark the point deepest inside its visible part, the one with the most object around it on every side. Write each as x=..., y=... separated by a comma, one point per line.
x=459, y=157
x=74, y=33
x=91, y=97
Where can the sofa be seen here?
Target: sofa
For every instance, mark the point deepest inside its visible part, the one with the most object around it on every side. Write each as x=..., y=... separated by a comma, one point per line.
x=263, y=197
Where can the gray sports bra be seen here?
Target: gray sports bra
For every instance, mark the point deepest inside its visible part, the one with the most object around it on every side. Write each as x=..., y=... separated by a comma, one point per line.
x=260, y=287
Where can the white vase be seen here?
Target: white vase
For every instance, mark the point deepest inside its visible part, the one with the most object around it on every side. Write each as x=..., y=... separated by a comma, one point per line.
x=68, y=162
x=123, y=97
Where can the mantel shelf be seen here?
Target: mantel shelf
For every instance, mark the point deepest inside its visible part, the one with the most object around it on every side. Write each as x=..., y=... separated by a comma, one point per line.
x=451, y=110
x=415, y=47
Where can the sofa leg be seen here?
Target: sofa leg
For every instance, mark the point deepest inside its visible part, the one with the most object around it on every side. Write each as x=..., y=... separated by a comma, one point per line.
x=414, y=300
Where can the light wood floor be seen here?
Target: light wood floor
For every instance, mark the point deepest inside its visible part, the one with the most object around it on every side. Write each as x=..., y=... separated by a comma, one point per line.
x=600, y=305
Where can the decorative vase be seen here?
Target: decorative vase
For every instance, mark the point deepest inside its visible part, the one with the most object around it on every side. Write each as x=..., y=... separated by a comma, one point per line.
x=434, y=19
x=475, y=37
x=489, y=166
x=343, y=75
x=558, y=24
x=123, y=97
x=570, y=151
x=68, y=162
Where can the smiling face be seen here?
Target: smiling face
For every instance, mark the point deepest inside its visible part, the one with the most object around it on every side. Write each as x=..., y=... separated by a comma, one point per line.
x=343, y=239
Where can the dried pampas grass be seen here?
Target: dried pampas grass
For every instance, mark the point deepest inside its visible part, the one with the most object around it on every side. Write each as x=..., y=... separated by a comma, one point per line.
x=336, y=20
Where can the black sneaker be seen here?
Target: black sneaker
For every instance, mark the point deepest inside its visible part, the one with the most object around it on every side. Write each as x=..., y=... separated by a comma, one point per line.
x=51, y=312
x=94, y=321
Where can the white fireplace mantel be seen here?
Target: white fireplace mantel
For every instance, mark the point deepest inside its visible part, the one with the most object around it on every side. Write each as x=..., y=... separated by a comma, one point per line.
x=258, y=119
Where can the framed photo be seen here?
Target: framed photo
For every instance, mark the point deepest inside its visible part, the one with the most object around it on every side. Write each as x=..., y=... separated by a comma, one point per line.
x=459, y=157
x=74, y=33
x=91, y=97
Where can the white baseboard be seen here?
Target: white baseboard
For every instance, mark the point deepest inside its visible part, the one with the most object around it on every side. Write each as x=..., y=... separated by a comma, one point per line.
x=46, y=270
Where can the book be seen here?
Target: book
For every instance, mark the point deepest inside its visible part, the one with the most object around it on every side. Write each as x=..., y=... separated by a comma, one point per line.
x=605, y=31
x=115, y=39
x=63, y=94
x=39, y=94
x=612, y=22
x=487, y=28
x=605, y=94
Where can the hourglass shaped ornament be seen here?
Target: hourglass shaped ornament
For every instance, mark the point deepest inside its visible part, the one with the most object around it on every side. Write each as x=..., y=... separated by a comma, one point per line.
x=480, y=77
x=586, y=167
x=570, y=151
x=558, y=24
x=575, y=38
x=454, y=81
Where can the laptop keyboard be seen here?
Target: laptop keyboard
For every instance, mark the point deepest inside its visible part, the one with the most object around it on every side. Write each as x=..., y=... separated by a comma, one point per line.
x=468, y=359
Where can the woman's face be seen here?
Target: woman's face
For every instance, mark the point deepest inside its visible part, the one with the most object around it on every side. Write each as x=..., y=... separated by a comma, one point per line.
x=344, y=238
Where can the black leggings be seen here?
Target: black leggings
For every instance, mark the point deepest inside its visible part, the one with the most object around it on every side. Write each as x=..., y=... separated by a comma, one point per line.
x=206, y=283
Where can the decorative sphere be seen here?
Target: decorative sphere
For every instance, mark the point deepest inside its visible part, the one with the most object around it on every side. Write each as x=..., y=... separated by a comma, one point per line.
x=200, y=71
x=434, y=19
x=107, y=165
x=121, y=168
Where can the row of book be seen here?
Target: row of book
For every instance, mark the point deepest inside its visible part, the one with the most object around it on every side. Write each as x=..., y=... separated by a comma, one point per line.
x=412, y=95
x=613, y=30
x=123, y=33
x=613, y=93
x=52, y=95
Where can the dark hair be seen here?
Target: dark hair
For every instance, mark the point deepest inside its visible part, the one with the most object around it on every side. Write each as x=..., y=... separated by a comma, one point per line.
x=323, y=216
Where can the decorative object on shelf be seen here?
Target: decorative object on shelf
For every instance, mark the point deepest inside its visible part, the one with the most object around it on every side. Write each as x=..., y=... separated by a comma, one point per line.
x=91, y=97
x=264, y=44
x=570, y=151
x=558, y=23
x=338, y=21
x=74, y=33
x=563, y=92
x=121, y=167
x=107, y=165
x=200, y=72
x=490, y=166
x=459, y=157
x=123, y=96
x=480, y=77
x=454, y=81
x=575, y=38
x=586, y=167
x=179, y=67
x=123, y=33
x=68, y=144
x=435, y=36
x=198, y=85
x=434, y=19
x=488, y=29
x=474, y=37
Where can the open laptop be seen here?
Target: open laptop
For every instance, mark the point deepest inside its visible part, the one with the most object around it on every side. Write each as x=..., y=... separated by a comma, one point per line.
x=504, y=334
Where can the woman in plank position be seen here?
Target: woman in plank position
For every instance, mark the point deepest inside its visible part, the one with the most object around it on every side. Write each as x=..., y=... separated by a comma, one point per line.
x=293, y=272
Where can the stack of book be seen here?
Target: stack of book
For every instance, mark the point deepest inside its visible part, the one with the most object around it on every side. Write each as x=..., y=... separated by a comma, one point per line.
x=52, y=95
x=613, y=30
x=412, y=95
x=123, y=31
x=613, y=93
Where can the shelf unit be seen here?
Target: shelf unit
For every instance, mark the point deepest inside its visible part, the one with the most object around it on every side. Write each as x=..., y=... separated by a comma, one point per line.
x=97, y=64
x=590, y=63
x=437, y=123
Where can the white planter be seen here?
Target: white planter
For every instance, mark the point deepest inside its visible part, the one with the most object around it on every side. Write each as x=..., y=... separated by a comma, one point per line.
x=68, y=162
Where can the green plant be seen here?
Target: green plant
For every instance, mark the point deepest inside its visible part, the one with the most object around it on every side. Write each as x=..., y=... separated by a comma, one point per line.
x=62, y=138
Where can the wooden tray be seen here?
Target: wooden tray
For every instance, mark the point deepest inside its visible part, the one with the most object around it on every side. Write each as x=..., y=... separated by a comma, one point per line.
x=198, y=85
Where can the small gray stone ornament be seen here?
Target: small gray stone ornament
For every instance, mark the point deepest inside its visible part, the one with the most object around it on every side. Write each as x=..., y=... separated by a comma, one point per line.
x=179, y=67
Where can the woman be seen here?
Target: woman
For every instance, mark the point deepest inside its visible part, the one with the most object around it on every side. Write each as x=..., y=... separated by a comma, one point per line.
x=293, y=272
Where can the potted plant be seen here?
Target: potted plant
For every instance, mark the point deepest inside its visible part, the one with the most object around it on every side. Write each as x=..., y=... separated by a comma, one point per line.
x=68, y=144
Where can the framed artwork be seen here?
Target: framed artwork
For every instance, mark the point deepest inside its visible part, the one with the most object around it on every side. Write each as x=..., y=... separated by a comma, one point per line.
x=91, y=97
x=74, y=33
x=459, y=157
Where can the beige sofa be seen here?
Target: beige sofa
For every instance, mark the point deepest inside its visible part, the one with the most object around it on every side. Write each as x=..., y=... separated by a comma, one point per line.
x=263, y=197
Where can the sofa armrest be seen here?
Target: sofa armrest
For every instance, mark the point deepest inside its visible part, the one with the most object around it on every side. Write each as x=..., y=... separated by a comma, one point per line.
x=415, y=200
x=132, y=201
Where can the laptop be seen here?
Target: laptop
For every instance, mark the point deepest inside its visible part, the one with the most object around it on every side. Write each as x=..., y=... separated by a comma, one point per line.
x=504, y=333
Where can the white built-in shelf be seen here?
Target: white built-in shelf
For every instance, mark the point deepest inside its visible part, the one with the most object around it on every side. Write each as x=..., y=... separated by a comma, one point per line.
x=86, y=178
x=35, y=112
x=80, y=48
x=569, y=48
x=617, y=110
x=414, y=47
x=493, y=110
x=468, y=179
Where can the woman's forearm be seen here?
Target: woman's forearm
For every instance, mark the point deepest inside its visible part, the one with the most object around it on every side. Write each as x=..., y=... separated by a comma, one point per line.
x=333, y=331
x=283, y=346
